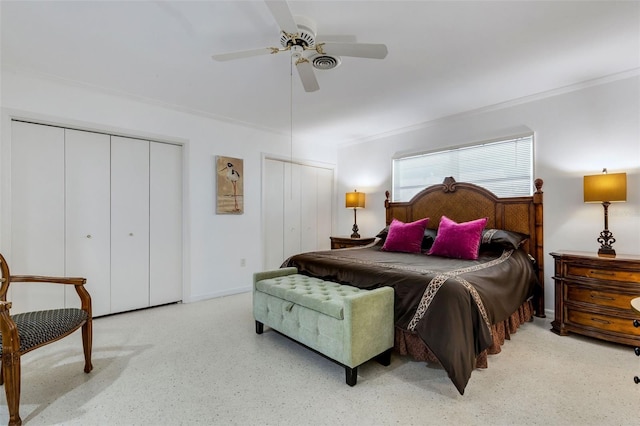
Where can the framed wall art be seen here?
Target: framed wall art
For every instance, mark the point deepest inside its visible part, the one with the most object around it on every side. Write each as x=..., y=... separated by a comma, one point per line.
x=229, y=185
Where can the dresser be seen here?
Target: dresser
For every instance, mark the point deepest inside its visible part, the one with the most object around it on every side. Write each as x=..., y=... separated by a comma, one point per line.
x=346, y=242
x=635, y=305
x=593, y=296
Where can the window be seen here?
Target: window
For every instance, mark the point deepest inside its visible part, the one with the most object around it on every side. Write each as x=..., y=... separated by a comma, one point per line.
x=504, y=167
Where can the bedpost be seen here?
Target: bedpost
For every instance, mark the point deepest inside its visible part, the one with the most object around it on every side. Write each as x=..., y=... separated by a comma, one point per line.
x=386, y=207
x=539, y=246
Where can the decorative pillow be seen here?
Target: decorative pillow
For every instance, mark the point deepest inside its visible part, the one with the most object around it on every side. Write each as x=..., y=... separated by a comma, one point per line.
x=405, y=237
x=383, y=234
x=458, y=240
x=508, y=239
x=428, y=239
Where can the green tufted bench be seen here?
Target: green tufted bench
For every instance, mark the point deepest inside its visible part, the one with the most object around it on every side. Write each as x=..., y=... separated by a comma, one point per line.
x=346, y=324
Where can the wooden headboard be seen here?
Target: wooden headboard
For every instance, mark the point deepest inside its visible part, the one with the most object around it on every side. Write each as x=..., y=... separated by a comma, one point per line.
x=463, y=202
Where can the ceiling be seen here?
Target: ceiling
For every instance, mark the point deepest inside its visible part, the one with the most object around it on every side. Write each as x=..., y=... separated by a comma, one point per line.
x=445, y=57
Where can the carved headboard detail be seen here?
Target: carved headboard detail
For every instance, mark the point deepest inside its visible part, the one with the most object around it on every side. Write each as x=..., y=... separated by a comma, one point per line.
x=463, y=202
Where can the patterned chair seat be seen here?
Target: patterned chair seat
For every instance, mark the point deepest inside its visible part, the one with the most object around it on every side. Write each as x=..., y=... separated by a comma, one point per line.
x=41, y=327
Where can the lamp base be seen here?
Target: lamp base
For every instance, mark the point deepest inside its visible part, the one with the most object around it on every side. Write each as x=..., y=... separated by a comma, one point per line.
x=606, y=252
x=355, y=231
x=606, y=240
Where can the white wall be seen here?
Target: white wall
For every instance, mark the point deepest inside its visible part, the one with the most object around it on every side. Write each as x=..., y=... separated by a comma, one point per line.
x=577, y=133
x=214, y=244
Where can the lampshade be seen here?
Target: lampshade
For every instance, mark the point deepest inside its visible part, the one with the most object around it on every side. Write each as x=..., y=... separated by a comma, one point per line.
x=605, y=187
x=354, y=200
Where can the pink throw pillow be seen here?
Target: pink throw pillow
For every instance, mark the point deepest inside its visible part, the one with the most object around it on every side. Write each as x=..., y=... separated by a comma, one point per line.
x=405, y=237
x=458, y=240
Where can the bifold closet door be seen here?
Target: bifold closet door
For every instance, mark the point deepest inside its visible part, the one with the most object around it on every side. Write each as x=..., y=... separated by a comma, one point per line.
x=292, y=209
x=298, y=206
x=315, y=203
x=37, y=214
x=273, y=202
x=87, y=222
x=165, y=223
x=129, y=224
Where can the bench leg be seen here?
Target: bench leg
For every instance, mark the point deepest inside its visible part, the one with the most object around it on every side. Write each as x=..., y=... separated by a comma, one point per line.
x=352, y=375
x=384, y=358
x=259, y=327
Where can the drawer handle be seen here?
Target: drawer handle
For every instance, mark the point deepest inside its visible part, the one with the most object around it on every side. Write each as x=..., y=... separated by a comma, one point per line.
x=637, y=351
x=596, y=296
x=636, y=379
x=636, y=323
x=601, y=321
x=609, y=274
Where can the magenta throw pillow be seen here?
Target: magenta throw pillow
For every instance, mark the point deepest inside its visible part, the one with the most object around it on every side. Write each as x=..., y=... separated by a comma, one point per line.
x=405, y=237
x=458, y=240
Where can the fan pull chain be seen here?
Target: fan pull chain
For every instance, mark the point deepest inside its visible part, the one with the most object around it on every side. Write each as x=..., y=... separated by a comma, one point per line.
x=291, y=129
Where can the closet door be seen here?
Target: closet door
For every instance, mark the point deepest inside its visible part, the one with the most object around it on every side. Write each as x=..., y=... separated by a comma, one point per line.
x=165, y=223
x=87, y=206
x=308, y=209
x=292, y=209
x=37, y=214
x=273, y=202
x=316, y=207
x=129, y=224
x=298, y=206
x=324, y=193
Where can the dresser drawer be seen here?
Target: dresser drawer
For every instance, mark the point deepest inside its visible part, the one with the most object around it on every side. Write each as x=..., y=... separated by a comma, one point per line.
x=598, y=297
x=602, y=322
x=580, y=271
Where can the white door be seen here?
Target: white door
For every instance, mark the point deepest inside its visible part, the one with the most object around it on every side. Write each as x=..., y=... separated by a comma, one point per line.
x=37, y=214
x=129, y=223
x=308, y=209
x=297, y=215
x=292, y=209
x=316, y=207
x=165, y=223
x=324, y=192
x=87, y=206
x=273, y=221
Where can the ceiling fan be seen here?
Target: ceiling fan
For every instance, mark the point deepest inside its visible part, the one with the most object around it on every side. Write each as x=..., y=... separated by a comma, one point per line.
x=298, y=36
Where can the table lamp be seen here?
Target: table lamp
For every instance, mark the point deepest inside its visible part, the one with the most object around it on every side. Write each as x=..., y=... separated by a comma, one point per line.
x=354, y=200
x=605, y=188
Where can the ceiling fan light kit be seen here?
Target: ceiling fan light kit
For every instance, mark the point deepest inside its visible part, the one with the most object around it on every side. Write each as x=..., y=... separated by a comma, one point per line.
x=298, y=35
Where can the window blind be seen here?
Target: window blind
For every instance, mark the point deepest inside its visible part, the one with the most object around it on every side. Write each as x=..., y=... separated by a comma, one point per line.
x=504, y=167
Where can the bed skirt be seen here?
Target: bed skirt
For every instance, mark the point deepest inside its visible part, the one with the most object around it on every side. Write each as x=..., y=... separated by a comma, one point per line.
x=408, y=343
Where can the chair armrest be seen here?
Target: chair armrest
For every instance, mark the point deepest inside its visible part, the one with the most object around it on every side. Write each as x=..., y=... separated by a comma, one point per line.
x=78, y=282
x=54, y=280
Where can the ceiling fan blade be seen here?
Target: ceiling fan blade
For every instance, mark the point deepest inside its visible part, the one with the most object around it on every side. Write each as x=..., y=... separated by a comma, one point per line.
x=307, y=76
x=282, y=14
x=359, y=50
x=244, y=54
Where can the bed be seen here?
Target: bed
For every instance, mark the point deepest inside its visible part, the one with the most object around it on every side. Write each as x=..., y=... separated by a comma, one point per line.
x=449, y=310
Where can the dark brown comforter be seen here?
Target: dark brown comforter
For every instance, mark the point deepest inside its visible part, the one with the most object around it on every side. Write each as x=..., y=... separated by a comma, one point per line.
x=449, y=303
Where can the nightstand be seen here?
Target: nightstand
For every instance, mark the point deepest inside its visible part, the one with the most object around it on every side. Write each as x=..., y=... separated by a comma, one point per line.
x=346, y=242
x=593, y=296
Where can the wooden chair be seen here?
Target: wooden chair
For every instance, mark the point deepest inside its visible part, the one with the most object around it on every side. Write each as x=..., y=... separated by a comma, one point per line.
x=24, y=332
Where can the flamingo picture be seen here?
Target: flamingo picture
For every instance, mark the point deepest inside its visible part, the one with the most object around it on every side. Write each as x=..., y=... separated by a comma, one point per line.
x=232, y=175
